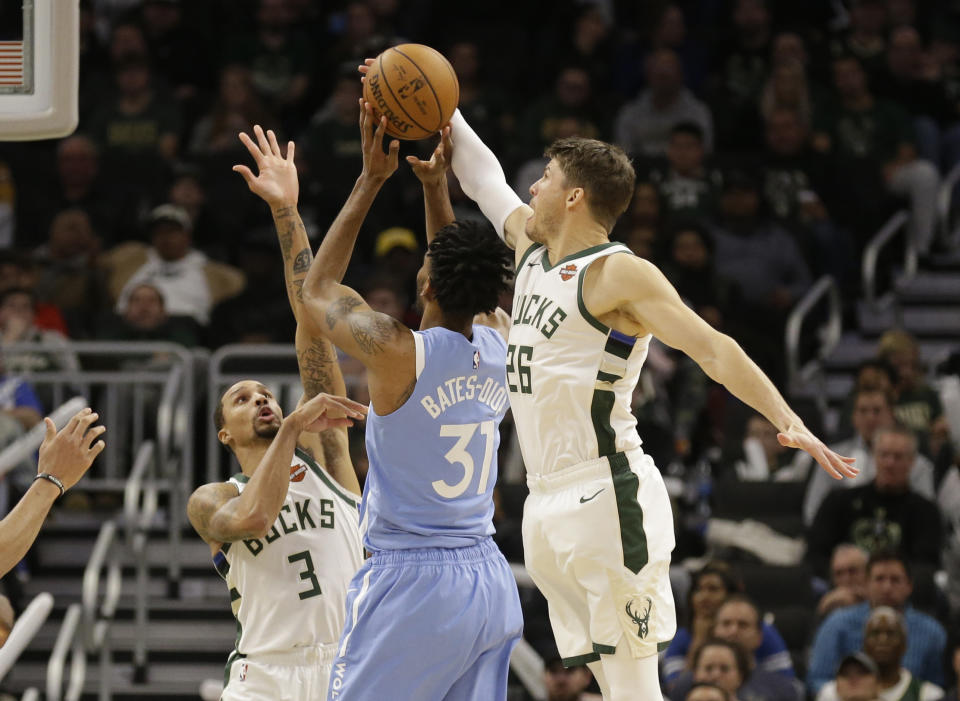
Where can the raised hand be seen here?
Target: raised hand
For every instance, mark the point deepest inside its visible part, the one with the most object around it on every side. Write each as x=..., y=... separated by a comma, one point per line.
x=276, y=181
x=68, y=453
x=833, y=464
x=377, y=164
x=434, y=171
x=327, y=411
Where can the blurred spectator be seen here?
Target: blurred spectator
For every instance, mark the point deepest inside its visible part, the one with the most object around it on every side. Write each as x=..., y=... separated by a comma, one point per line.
x=20, y=271
x=687, y=189
x=588, y=43
x=882, y=514
x=182, y=54
x=358, y=35
x=727, y=664
x=888, y=584
x=397, y=253
x=188, y=191
x=872, y=411
x=386, y=294
x=68, y=276
x=643, y=125
x=953, y=694
x=848, y=575
x=279, y=56
x=261, y=312
x=17, y=314
x=639, y=227
x=562, y=683
x=787, y=89
x=669, y=31
x=8, y=207
x=905, y=81
x=574, y=97
x=764, y=459
x=742, y=67
x=18, y=400
x=481, y=102
x=191, y=283
x=872, y=373
x=705, y=691
x=691, y=268
x=918, y=405
x=144, y=318
x=864, y=38
x=873, y=147
x=855, y=680
x=884, y=642
x=237, y=108
x=796, y=181
x=739, y=621
x=531, y=170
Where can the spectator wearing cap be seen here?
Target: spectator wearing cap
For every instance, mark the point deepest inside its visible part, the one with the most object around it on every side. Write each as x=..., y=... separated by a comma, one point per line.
x=888, y=584
x=855, y=680
x=884, y=642
x=563, y=683
x=190, y=282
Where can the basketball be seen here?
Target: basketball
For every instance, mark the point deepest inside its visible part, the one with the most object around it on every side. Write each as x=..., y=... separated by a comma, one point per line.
x=415, y=88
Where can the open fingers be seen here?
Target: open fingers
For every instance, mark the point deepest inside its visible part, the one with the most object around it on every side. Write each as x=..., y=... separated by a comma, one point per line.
x=85, y=423
x=274, y=146
x=291, y=149
x=51, y=429
x=261, y=140
x=245, y=173
x=348, y=406
x=74, y=422
x=96, y=449
x=252, y=148
x=378, y=134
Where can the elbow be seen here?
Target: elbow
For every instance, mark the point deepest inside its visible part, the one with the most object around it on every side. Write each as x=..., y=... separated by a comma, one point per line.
x=715, y=356
x=256, y=524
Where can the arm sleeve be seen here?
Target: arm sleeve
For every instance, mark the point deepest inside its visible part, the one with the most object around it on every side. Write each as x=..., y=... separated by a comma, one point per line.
x=481, y=175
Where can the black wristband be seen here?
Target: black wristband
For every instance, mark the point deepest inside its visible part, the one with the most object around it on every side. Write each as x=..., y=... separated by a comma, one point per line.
x=50, y=478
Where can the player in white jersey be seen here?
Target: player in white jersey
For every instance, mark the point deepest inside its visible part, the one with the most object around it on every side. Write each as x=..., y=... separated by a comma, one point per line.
x=597, y=528
x=285, y=532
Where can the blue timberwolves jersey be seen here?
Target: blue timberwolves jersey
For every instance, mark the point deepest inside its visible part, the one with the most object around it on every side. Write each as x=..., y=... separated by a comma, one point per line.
x=433, y=461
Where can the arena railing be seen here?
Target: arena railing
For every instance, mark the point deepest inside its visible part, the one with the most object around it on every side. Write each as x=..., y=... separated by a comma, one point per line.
x=25, y=446
x=801, y=376
x=871, y=256
x=150, y=393
x=24, y=631
x=69, y=642
x=98, y=614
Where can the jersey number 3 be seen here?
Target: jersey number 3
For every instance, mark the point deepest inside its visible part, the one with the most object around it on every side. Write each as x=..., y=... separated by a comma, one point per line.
x=458, y=454
x=307, y=574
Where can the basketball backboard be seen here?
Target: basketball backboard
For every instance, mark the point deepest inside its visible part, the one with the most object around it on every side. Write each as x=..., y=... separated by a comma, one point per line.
x=39, y=68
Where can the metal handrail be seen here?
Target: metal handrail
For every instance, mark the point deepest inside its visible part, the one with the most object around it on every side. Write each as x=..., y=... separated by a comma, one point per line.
x=139, y=508
x=871, y=254
x=27, y=444
x=97, y=622
x=945, y=204
x=825, y=287
x=24, y=630
x=526, y=663
x=68, y=641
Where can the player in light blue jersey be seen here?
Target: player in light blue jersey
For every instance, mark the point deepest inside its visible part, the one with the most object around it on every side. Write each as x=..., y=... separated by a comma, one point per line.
x=433, y=613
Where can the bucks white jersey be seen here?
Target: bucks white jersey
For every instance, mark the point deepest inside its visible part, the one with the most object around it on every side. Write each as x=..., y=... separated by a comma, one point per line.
x=289, y=588
x=570, y=377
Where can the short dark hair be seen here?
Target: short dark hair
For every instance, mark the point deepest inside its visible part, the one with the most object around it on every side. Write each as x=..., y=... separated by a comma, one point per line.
x=689, y=128
x=741, y=598
x=7, y=294
x=218, y=419
x=889, y=555
x=739, y=654
x=881, y=364
x=603, y=170
x=469, y=268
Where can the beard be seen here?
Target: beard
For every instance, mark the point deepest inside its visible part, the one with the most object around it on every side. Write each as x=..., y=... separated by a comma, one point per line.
x=269, y=430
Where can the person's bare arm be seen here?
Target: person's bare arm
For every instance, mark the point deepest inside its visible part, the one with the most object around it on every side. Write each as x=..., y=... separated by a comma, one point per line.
x=432, y=174
x=384, y=345
x=277, y=184
x=633, y=289
x=66, y=454
x=220, y=515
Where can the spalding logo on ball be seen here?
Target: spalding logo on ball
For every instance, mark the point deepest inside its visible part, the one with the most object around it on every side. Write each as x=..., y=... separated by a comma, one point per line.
x=415, y=88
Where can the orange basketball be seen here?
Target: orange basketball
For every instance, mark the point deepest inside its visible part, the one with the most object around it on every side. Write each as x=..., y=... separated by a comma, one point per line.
x=415, y=87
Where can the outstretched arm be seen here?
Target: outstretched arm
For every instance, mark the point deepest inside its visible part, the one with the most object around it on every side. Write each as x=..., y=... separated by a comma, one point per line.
x=221, y=515
x=384, y=345
x=637, y=289
x=438, y=211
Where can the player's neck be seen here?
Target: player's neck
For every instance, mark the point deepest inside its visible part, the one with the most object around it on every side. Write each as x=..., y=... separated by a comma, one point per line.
x=576, y=235
x=433, y=316
x=250, y=456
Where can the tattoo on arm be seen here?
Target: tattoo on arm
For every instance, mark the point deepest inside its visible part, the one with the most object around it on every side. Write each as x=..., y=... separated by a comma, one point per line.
x=298, y=289
x=372, y=330
x=301, y=263
x=316, y=368
x=341, y=308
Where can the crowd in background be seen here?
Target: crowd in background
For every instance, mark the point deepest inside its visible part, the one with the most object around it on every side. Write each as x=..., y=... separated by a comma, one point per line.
x=771, y=140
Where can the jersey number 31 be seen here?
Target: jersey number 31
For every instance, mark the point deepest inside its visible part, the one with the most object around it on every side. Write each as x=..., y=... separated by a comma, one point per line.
x=458, y=454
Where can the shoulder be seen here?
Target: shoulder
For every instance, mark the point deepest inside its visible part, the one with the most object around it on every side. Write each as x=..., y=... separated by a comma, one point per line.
x=497, y=322
x=917, y=620
x=212, y=493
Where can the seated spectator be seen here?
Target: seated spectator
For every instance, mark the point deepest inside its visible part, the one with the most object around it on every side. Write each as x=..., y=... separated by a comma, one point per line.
x=888, y=584
x=864, y=37
x=884, y=642
x=856, y=679
x=191, y=283
x=883, y=514
x=687, y=189
x=872, y=144
x=18, y=400
x=739, y=621
x=872, y=373
x=563, y=683
x=68, y=277
x=17, y=315
x=691, y=269
x=144, y=318
x=188, y=190
x=918, y=405
x=237, y=108
x=19, y=270
x=531, y=170
x=639, y=228
x=397, y=253
x=643, y=125
x=705, y=691
x=764, y=459
x=786, y=88
x=872, y=411
x=727, y=664
x=848, y=575
x=574, y=97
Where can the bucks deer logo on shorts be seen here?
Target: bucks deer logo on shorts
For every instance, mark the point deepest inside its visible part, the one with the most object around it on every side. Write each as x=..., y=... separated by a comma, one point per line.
x=568, y=271
x=642, y=619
